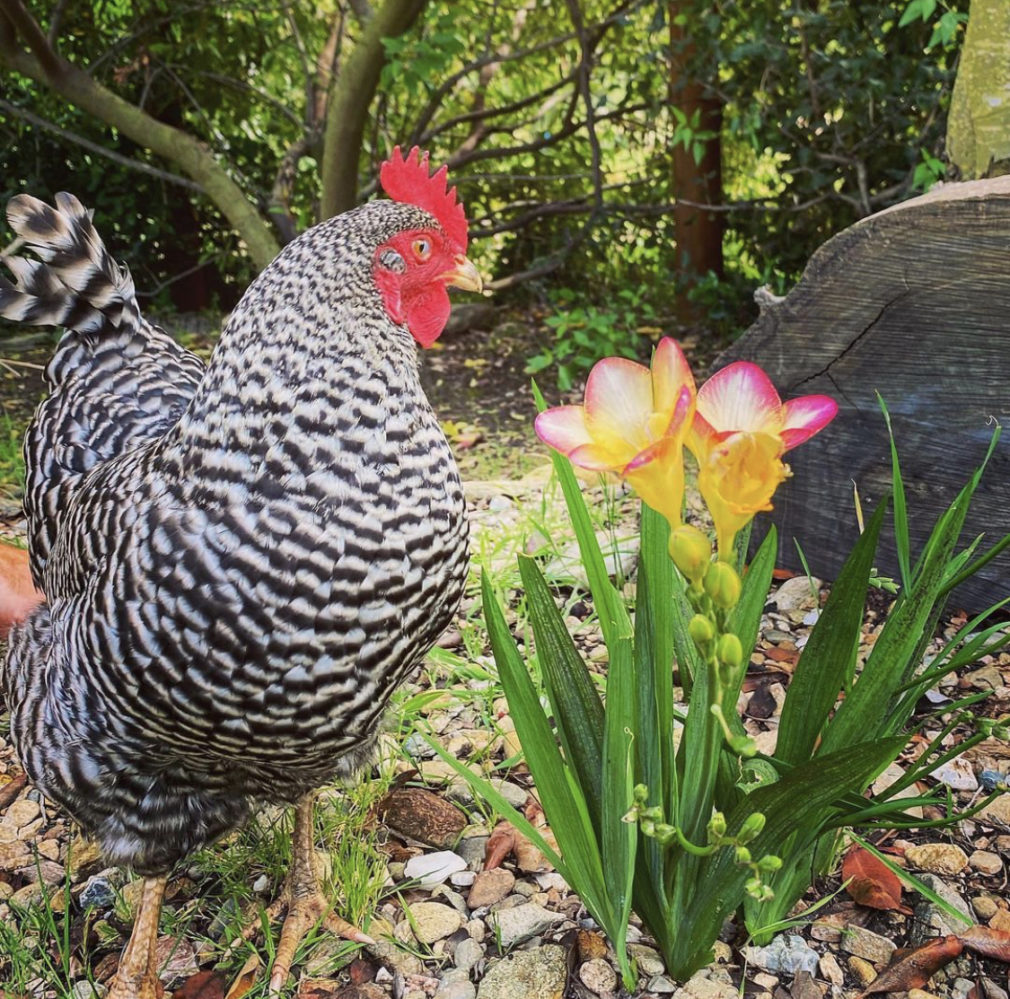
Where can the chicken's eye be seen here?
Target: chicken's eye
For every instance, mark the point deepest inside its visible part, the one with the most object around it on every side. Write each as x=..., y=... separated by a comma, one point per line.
x=422, y=249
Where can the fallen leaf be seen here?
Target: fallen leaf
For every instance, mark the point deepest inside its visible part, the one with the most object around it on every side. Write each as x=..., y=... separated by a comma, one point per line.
x=361, y=971
x=987, y=941
x=203, y=985
x=912, y=969
x=500, y=844
x=319, y=988
x=246, y=978
x=871, y=882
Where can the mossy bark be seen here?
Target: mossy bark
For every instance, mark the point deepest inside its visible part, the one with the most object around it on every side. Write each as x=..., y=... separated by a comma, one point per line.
x=351, y=100
x=978, y=127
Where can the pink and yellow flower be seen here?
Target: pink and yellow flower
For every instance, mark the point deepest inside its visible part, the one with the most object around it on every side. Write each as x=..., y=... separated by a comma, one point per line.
x=740, y=431
x=634, y=423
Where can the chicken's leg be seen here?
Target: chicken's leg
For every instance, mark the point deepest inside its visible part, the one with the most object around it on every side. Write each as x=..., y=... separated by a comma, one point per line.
x=137, y=977
x=304, y=900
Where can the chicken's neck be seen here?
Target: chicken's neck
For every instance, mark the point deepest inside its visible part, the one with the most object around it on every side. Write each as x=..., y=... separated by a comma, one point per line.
x=284, y=379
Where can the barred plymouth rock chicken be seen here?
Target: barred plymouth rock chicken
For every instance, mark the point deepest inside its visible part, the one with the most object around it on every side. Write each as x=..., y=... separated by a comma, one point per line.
x=240, y=561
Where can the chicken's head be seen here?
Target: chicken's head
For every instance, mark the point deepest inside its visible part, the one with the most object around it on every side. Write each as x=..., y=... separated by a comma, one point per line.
x=414, y=268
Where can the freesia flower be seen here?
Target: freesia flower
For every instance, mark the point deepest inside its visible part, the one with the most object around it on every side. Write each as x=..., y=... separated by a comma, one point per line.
x=634, y=423
x=740, y=431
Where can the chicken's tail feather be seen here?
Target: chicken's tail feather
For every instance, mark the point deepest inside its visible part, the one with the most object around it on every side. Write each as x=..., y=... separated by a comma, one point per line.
x=74, y=282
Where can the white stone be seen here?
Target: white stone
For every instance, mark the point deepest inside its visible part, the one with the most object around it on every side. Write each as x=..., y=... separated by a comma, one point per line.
x=430, y=869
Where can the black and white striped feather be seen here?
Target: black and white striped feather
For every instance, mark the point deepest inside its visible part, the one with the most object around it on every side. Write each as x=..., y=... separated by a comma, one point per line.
x=240, y=563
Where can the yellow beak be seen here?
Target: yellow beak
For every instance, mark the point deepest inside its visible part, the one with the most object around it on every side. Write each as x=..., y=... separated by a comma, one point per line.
x=464, y=275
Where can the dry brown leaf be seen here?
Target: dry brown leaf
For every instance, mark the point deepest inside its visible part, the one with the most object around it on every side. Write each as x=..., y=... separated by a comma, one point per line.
x=914, y=968
x=871, y=882
x=988, y=942
x=203, y=985
x=500, y=844
x=246, y=978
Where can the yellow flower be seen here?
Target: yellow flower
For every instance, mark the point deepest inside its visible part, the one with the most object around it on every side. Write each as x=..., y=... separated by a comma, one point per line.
x=740, y=431
x=633, y=423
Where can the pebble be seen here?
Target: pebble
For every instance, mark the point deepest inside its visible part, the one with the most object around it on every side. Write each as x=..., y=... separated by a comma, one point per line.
x=702, y=985
x=991, y=779
x=98, y=892
x=796, y=594
x=462, y=879
x=430, y=869
x=598, y=976
x=1000, y=921
x=937, y=858
x=433, y=921
x=997, y=811
x=830, y=969
x=961, y=987
x=764, y=980
x=985, y=906
x=865, y=944
x=468, y=952
x=87, y=990
x=787, y=952
x=260, y=884
x=663, y=985
x=931, y=921
x=540, y=973
x=471, y=849
x=986, y=862
x=921, y=994
x=520, y=923
x=649, y=961
x=490, y=887
x=21, y=812
x=957, y=774
x=863, y=971
x=455, y=984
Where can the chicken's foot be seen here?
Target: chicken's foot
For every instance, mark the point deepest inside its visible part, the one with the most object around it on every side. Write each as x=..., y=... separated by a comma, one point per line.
x=303, y=900
x=137, y=977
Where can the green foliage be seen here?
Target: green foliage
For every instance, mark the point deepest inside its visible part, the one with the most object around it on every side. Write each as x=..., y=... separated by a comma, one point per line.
x=691, y=831
x=585, y=333
x=830, y=111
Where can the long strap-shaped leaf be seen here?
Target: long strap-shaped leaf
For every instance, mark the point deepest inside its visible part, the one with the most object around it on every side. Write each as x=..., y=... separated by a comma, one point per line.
x=578, y=713
x=564, y=804
x=826, y=663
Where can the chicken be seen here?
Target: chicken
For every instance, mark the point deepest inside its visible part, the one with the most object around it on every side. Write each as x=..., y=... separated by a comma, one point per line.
x=240, y=561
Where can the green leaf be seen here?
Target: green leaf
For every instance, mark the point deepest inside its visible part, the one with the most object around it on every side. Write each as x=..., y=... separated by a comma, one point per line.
x=901, y=540
x=578, y=713
x=564, y=804
x=829, y=657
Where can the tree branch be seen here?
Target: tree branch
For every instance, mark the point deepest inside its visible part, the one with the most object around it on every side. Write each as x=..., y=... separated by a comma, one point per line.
x=174, y=145
x=94, y=147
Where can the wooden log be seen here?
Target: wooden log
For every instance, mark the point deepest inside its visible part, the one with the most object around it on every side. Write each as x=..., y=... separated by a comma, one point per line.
x=913, y=303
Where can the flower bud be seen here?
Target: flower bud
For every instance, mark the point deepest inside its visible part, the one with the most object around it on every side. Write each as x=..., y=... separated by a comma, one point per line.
x=716, y=827
x=723, y=585
x=742, y=855
x=691, y=552
x=769, y=864
x=752, y=825
x=701, y=630
x=728, y=650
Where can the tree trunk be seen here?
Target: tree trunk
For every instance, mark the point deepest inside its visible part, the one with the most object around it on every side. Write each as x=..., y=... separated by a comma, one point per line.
x=978, y=126
x=350, y=101
x=911, y=303
x=696, y=181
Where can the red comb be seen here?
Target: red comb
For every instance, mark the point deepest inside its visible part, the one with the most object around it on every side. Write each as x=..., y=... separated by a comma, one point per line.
x=407, y=180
